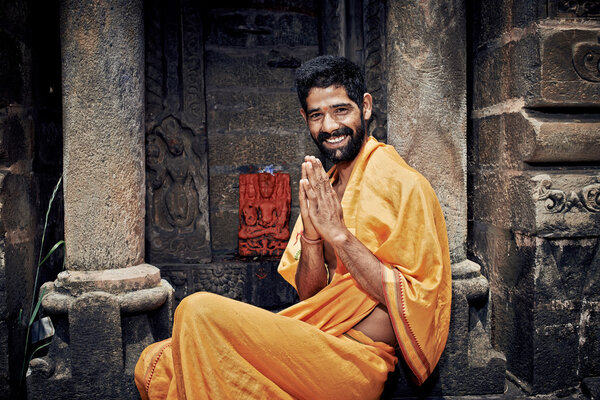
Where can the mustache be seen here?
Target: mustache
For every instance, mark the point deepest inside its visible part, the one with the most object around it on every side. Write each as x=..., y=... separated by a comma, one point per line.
x=343, y=131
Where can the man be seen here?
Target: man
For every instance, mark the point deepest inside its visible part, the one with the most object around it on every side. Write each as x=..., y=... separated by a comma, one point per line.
x=368, y=257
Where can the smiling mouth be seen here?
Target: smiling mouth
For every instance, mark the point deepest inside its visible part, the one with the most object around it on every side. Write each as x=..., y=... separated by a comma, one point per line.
x=335, y=139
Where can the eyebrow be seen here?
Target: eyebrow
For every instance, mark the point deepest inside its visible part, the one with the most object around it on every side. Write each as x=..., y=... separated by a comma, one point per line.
x=312, y=110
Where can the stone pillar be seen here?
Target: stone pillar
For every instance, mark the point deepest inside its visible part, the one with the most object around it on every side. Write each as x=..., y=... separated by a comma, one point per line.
x=107, y=305
x=535, y=185
x=426, y=59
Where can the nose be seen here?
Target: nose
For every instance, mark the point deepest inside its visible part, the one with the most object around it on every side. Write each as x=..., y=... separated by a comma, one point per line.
x=329, y=124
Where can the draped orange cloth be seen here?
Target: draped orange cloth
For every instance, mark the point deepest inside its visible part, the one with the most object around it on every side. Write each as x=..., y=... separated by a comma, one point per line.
x=225, y=349
x=394, y=212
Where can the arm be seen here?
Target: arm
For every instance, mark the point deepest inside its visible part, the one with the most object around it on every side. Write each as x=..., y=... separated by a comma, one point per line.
x=325, y=213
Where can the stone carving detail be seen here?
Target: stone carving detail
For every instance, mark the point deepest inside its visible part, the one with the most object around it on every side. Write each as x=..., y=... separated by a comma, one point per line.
x=374, y=39
x=574, y=8
x=176, y=181
x=192, y=66
x=221, y=279
x=177, y=222
x=264, y=214
x=332, y=40
x=586, y=199
x=179, y=280
x=586, y=60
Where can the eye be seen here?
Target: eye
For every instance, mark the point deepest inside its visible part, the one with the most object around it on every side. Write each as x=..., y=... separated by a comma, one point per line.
x=315, y=116
x=341, y=110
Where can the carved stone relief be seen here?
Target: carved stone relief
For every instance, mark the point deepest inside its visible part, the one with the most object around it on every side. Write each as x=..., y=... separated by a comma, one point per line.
x=174, y=161
x=177, y=227
x=586, y=199
x=264, y=214
x=574, y=8
x=226, y=280
x=586, y=60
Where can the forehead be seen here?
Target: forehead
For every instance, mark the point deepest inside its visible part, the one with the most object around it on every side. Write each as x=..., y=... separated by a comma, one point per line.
x=326, y=97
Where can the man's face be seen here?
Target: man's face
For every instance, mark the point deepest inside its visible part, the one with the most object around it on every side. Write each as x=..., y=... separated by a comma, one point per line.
x=335, y=122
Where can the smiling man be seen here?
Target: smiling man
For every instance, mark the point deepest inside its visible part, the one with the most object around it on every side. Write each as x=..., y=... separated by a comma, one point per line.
x=368, y=257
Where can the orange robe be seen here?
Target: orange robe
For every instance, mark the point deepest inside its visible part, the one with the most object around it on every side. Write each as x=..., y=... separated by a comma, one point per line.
x=394, y=212
x=224, y=349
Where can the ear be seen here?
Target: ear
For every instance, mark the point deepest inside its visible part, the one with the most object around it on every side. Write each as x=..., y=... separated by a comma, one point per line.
x=303, y=113
x=367, y=104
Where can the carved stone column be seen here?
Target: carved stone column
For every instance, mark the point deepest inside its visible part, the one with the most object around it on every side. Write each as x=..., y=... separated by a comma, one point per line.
x=536, y=189
x=107, y=305
x=426, y=57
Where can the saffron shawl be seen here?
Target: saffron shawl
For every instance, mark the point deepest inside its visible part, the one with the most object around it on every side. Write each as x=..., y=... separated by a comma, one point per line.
x=394, y=212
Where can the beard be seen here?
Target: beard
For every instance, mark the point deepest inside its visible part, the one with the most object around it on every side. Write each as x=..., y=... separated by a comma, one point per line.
x=350, y=150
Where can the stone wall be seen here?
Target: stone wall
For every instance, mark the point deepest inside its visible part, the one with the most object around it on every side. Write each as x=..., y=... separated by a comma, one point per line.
x=30, y=154
x=533, y=185
x=220, y=82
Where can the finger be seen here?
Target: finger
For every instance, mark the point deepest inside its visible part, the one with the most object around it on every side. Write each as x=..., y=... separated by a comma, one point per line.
x=311, y=196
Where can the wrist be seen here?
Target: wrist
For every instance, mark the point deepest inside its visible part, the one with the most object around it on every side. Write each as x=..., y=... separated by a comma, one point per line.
x=340, y=238
x=304, y=239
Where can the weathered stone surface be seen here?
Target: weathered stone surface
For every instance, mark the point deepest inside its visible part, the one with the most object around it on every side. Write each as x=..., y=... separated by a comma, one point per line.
x=591, y=387
x=556, y=205
x=225, y=224
x=261, y=28
x=103, y=108
x=178, y=226
x=559, y=138
x=545, y=296
x=570, y=77
x=12, y=88
x=427, y=101
x=96, y=352
x=4, y=351
x=177, y=194
x=240, y=68
x=265, y=112
x=114, y=281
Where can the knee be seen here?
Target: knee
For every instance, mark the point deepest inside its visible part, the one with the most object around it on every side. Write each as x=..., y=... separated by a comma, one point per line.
x=200, y=305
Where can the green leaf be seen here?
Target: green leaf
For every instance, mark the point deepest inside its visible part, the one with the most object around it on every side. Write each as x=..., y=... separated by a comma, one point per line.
x=52, y=250
x=37, y=308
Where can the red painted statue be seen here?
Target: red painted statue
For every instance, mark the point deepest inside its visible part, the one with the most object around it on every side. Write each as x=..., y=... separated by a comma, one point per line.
x=264, y=214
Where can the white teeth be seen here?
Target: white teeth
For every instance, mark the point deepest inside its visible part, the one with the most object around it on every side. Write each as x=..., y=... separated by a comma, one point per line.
x=335, y=139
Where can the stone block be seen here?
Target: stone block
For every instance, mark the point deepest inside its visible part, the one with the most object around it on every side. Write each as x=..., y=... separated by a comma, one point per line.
x=491, y=21
x=591, y=387
x=15, y=138
x=570, y=76
x=96, y=345
x=525, y=12
x=265, y=288
x=261, y=28
x=524, y=67
x=11, y=65
x=589, y=342
x=568, y=272
x=555, y=359
x=223, y=278
x=4, y=362
x=551, y=205
x=255, y=68
x=256, y=149
x=245, y=111
x=490, y=141
x=491, y=73
x=566, y=205
x=224, y=228
x=554, y=137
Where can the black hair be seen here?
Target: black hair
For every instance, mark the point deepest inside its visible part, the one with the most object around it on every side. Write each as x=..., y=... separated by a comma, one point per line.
x=325, y=71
